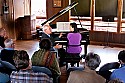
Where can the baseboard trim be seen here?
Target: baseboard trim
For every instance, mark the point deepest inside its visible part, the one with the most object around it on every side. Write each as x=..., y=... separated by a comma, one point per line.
x=107, y=44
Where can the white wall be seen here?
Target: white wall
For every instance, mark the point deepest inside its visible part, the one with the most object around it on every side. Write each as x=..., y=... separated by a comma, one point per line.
x=18, y=8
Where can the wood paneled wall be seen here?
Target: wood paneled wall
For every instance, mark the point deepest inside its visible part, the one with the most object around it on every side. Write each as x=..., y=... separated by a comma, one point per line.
x=53, y=10
x=7, y=20
x=24, y=28
x=103, y=37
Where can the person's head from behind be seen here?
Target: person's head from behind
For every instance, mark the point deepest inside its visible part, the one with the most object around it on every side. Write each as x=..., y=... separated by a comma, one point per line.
x=47, y=29
x=9, y=43
x=116, y=81
x=45, y=43
x=121, y=57
x=92, y=60
x=21, y=59
x=74, y=27
x=2, y=32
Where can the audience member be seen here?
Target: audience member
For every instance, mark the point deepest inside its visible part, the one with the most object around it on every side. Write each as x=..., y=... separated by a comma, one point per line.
x=119, y=73
x=3, y=36
x=88, y=75
x=116, y=81
x=8, y=51
x=7, y=54
x=25, y=74
x=44, y=57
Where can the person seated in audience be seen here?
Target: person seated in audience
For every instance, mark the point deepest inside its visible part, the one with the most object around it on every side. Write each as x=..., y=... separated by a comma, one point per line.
x=44, y=57
x=116, y=81
x=88, y=75
x=119, y=73
x=7, y=53
x=24, y=73
x=3, y=36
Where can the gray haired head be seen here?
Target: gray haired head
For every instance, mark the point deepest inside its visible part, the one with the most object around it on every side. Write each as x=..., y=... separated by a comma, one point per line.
x=92, y=60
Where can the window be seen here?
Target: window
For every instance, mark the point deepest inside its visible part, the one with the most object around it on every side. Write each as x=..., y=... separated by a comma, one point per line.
x=38, y=7
x=38, y=11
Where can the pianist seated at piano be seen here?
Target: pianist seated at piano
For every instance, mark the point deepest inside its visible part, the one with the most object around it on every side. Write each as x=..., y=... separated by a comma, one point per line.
x=74, y=40
x=74, y=44
x=47, y=31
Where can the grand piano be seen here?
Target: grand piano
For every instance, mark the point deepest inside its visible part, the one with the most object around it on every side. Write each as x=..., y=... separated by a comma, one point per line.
x=84, y=32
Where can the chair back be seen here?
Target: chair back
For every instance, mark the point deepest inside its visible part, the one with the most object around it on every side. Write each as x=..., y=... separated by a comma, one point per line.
x=7, y=65
x=4, y=78
x=109, y=66
x=42, y=69
x=105, y=72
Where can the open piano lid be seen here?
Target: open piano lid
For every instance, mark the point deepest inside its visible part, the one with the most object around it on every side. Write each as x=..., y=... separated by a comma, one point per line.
x=60, y=13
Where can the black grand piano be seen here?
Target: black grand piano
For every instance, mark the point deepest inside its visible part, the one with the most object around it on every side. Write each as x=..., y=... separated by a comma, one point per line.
x=84, y=32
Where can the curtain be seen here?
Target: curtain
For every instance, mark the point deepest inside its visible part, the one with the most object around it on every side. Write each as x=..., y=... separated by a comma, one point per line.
x=27, y=7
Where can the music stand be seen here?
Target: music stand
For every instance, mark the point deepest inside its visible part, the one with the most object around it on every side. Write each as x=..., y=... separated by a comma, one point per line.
x=107, y=19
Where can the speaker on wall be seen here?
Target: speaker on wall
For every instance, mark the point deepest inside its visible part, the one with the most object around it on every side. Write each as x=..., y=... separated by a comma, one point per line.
x=108, y=18
x=5, y=9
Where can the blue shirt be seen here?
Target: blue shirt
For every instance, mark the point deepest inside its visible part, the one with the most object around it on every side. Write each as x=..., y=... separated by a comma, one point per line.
x=4, y=78
x=118, y=73
x=9, y=48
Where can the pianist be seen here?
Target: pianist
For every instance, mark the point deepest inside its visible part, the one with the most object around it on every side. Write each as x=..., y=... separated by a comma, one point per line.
x=47, y=31
x=74, y=44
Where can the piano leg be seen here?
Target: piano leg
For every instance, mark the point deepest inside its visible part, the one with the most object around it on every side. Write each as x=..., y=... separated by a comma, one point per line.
x=85, y=50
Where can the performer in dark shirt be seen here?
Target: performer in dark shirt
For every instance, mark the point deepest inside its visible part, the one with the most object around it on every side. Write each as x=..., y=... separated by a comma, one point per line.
x=47, y=31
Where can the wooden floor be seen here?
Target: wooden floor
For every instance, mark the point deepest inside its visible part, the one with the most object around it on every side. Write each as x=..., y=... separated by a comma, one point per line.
x=107, y=54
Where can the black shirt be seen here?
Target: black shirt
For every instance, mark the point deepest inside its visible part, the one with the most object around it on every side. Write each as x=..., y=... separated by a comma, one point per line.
x=2, y=42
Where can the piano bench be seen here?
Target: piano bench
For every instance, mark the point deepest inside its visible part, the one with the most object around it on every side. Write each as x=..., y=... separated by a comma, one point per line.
x=72, y=58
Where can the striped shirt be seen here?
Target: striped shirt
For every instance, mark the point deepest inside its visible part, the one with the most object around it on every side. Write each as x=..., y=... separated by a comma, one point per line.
x=28, y=76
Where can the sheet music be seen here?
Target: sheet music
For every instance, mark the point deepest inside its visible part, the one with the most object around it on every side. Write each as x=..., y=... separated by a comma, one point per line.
x=63, y=26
